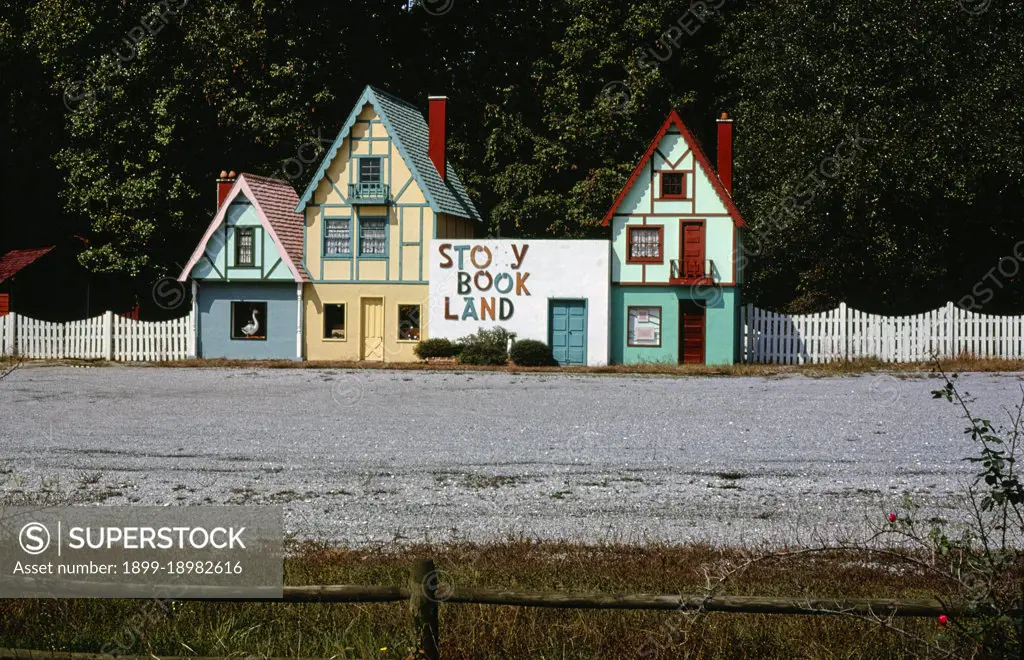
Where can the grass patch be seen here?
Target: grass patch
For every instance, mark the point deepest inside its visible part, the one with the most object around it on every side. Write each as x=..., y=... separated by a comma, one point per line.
x=477, y=631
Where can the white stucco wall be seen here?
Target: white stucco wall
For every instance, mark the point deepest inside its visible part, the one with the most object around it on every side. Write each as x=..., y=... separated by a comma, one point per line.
x=546, y=270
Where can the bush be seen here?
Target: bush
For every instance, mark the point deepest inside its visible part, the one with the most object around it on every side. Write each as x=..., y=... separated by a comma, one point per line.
x=482, y=354
x=531, y=353
x=496, y=338
x=436, y=348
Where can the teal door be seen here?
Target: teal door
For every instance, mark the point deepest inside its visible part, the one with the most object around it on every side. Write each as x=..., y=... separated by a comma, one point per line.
x=568, y=323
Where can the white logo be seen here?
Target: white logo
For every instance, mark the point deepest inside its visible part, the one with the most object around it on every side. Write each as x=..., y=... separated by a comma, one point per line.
x=34, y=538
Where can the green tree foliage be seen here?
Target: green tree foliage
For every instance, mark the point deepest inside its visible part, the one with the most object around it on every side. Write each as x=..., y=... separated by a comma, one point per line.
x=134, y=108
x=929, y=201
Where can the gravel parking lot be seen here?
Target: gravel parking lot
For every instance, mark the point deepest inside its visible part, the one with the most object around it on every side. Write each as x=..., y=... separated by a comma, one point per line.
x=362, y=457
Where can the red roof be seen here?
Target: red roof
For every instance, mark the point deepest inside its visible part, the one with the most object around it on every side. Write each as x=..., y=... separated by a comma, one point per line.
x=674, y=119
x=278, y=200
x=15, y=260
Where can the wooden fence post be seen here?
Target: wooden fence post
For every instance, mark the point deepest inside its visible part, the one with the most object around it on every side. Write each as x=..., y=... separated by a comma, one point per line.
x=844, y=332
x=951, y=333
x=108, y=334
x=423, y=606
x=7, y=334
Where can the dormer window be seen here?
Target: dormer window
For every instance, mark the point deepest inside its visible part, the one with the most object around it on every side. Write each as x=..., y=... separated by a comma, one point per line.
x=673, y=185
x=244, y=253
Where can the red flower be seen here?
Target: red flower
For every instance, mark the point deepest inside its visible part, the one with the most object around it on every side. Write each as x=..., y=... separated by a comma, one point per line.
x=892, y=517
x=942, y=620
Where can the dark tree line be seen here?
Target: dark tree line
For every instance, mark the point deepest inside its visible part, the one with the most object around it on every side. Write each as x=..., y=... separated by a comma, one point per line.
x=878, y=144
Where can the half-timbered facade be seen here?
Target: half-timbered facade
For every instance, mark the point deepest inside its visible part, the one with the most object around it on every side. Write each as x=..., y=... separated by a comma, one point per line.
x=383, y=191
x=675, y=244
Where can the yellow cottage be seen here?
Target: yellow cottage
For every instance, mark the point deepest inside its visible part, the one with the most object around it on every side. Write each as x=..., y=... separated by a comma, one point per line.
x=370, y=212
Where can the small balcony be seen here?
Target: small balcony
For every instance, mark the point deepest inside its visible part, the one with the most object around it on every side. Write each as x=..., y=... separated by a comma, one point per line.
x=369, y=193
x=692, y=271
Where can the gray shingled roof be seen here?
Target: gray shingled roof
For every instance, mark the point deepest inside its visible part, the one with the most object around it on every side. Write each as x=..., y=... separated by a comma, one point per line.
x=407, y=127
x=410, y=130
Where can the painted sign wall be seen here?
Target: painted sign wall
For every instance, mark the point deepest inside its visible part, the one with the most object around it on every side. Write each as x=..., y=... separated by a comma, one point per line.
x=512, y=283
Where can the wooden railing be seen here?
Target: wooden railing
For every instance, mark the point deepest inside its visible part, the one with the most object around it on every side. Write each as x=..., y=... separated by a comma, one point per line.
x=692, y=270
x=425, y=596
x=379, y=193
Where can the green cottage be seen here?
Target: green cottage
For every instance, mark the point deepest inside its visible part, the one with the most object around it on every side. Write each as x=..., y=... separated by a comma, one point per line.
x=676, y=268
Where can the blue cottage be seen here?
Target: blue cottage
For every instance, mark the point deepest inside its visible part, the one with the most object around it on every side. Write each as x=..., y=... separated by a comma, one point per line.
x=247, y=273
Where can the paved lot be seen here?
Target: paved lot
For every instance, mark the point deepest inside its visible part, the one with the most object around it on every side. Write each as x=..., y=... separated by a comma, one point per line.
x=359, y=457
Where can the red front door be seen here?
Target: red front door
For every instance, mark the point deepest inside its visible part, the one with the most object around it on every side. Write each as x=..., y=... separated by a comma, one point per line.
x=691, y=332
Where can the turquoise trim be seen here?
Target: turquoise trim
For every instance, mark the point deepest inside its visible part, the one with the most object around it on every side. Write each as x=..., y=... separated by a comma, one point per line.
x=401, y=244
x=421, y=243
x=337, y=190
x=404, y=188
x=273, y=268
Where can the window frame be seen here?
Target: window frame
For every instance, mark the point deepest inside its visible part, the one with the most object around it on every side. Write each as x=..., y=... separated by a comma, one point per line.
x=374, y=255
x=419, y=328
x=629, y=330
x=338, y=255
x=262, y=322
x=380, y=169
x=344, y=307
x=251, y=232
x=660, y=259
x=683, y=187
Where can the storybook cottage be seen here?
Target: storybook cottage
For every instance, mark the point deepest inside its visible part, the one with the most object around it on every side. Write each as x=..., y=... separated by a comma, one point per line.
x=247, y=274
x=383, y=191
x=676, y=275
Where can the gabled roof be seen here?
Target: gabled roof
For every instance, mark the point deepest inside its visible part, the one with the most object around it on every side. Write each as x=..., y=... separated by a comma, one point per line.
x=407, y=127
x=274, y=201
x=15, y=260
x=674, y=119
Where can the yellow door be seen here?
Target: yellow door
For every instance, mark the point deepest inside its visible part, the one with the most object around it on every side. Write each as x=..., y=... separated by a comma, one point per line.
x=373, y=328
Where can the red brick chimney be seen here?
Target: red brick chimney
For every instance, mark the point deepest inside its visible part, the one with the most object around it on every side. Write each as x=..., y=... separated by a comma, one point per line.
x=438, y=138
x=725, y=152
x=224, y=183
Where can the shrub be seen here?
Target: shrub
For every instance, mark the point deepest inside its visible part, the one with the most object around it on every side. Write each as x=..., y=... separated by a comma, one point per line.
x=482, y=354
x=531, y=353
x=496, y=338
x=436, y=348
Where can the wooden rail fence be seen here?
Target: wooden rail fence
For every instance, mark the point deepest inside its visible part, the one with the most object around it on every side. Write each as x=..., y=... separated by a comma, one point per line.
x=424, y=596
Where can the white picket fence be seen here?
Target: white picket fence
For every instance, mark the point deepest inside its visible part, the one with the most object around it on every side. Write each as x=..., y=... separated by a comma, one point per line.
x=847, y=334
x=107, y=337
